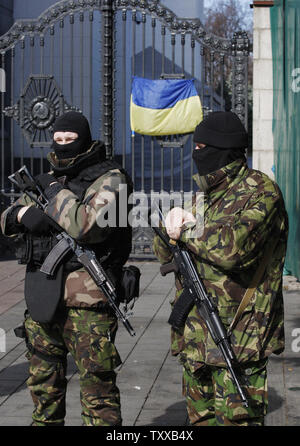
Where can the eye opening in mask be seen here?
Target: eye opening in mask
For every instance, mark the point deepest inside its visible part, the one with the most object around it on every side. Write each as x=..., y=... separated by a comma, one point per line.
x=200, y=146
x=63, y=138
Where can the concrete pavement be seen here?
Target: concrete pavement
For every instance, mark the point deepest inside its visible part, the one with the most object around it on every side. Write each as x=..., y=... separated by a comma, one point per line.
x=149, y=378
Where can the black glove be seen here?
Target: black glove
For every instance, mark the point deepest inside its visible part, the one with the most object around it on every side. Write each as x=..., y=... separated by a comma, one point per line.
x=44, y=180
x=35, y=220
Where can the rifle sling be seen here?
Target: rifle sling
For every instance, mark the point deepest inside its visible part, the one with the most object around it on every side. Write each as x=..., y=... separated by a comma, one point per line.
x=253, y=286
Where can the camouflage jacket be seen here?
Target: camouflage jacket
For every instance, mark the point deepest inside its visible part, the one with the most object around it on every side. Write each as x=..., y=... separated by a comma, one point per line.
x=80, y=219
x=243, y=212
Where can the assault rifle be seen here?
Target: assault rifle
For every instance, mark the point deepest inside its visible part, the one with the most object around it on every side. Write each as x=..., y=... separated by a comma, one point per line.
x=195, y=294
x=28, y=185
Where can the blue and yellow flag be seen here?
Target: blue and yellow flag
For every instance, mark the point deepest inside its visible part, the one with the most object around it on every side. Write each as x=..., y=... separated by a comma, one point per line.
x=164, y=106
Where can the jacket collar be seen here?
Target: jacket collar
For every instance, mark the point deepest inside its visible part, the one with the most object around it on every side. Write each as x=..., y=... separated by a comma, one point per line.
x=95, y=154
x=220, y=179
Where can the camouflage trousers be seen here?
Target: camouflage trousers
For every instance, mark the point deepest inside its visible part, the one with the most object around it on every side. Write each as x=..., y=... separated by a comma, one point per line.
x=89, y=337
x=212, y=399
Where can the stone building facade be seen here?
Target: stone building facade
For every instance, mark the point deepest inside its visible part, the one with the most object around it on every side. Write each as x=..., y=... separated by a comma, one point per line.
x=263, y=151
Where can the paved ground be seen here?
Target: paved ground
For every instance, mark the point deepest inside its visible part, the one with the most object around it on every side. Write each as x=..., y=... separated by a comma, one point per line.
x=149, y=378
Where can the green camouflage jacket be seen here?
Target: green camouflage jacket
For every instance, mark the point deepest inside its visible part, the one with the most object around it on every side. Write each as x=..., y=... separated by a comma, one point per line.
x=243, y=212
x=80, y=219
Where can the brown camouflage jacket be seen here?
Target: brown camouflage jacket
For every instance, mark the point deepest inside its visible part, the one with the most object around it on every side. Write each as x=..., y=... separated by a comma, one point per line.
x=243, y=212
x=79, y=219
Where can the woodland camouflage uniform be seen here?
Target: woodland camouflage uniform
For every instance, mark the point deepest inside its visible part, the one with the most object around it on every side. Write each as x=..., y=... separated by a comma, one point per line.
x=83, y=323
x=243, y=213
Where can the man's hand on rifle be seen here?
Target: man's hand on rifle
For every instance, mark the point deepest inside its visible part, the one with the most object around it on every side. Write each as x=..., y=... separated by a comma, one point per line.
x=49, y=185
x=175, y=220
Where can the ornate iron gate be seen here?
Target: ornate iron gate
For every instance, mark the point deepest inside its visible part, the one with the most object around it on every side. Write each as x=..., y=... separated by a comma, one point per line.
x=82, y=54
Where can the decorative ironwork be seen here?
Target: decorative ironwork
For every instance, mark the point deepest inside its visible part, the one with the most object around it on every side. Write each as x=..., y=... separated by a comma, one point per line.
x=54, y=13
x=240, y=48
x=41, y=101
x=175, y=24
x=107, y=74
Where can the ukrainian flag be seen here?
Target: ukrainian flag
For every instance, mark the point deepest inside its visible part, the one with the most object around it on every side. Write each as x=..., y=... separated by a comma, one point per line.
x=164, y=106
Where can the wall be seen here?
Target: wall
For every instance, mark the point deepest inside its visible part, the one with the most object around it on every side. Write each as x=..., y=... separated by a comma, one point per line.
x=263, y=157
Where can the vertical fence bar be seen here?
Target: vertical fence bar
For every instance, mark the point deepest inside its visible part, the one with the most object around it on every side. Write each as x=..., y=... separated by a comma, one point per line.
x=246, y=62
x=107, y=73
x=42, y=55
x=81, y=20
x=12, y=94
x=191, y=143
x=22, y=46
x=71, y=18
x=163, y=51
x=143, y=75
x=42, y=69
x=233, y=85
x=34, y=93
x=153, y=24
x=212, y=59
x=202, y=54
x=173, y=43
x=61, y=51
x=182, y=147
x=182, y=51
x=124, y=24
x=52, y=49
x=91, y=19
x=153, y=75
x=222, y=61
x=31, y=53
x=2, y=127
x=114, y=82
x=133, y=73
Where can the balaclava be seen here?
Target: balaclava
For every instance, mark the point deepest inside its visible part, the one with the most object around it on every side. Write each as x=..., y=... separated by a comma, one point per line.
x=225, y=138
x=72, y=122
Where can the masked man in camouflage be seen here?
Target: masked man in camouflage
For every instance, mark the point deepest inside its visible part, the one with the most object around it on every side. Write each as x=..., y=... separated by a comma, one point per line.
x=244, y=216
x=81, y=187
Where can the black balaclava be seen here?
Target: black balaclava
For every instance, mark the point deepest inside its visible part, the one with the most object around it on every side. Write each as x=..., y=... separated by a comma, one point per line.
x=225, y=138
x=72, y=122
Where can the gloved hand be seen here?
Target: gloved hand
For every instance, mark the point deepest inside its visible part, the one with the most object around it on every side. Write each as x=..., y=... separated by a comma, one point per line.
x=35, y=220
x=49, y=184
x=45, y=179
x=175, y=219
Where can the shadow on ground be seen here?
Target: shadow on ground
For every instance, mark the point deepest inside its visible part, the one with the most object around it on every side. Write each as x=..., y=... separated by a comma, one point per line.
x=13, y=378
x=175, y=415
x=275, y=400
